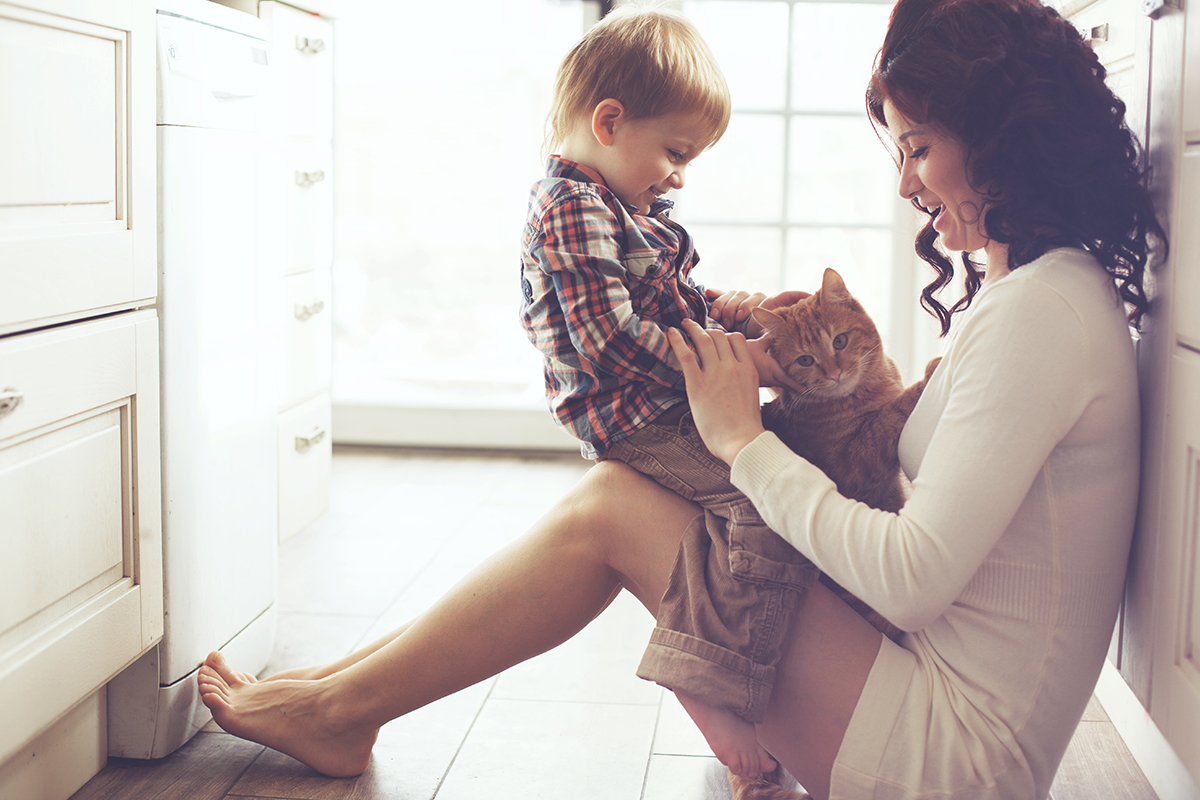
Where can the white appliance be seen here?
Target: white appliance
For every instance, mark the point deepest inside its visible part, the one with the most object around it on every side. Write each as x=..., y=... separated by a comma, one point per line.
x=220, y=370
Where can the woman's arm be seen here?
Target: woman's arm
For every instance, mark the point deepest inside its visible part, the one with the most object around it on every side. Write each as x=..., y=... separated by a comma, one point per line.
x=1019, y=381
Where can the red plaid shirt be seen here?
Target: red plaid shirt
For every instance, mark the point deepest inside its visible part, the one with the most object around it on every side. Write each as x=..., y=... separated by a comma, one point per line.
x=601, y=284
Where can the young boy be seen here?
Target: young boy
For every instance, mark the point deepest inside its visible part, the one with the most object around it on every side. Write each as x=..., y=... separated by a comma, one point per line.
x=605, y=273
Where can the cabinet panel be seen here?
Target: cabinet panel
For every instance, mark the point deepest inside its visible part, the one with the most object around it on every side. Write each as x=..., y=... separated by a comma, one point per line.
x=61, y=494
x=305, y=458
x=59, y=122
x=1186, y=247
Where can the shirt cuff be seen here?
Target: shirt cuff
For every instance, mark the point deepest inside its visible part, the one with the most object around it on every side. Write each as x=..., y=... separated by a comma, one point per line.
x=763, y=460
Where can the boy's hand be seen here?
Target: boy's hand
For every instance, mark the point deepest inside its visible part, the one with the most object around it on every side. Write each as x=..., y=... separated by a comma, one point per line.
x=732, y=308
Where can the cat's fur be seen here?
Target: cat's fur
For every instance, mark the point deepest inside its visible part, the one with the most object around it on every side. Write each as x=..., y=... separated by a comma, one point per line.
x=847, y=420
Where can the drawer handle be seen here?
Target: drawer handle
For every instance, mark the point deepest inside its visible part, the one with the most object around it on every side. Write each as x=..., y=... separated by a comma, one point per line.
x=304, y=313
x=309, y=178
x=1095, y=35
x=305, y=442
x=9, y=400
x=306, y=45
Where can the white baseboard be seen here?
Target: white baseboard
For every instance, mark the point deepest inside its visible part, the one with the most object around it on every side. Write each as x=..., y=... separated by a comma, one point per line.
x=1162, y=768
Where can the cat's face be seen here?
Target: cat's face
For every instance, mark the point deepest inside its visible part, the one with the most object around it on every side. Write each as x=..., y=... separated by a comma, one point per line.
x=826, y=342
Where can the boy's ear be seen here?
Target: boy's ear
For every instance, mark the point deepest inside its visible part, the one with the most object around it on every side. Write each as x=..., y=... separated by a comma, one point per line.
x=604, y=120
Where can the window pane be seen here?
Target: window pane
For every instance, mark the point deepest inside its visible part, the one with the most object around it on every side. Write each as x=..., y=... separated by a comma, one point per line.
x=840, y=173
x=739, y=257
x=862, y=257
x=437, y=143
x=833, y=51
x=749, y=41
x=740, y=179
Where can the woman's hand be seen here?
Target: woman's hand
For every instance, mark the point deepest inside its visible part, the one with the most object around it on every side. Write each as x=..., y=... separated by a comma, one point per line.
x=722, y=387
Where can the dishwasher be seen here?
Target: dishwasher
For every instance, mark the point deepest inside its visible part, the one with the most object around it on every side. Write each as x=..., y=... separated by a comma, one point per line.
x=219, y=358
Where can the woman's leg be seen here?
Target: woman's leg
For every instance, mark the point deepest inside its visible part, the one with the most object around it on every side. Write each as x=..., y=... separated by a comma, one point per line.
x=615, y=529
x=819, y=679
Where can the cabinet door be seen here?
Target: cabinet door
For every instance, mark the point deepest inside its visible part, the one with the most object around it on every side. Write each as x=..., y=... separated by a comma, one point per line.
x=81, y=581
x=77, y=208
x=307, y=318
x=1176, y=696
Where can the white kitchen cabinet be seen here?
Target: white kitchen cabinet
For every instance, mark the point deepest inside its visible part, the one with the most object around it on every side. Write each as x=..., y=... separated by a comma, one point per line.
x=80, y=505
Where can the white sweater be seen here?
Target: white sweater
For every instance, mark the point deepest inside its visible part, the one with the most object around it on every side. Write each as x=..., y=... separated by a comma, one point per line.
x=1007, y=563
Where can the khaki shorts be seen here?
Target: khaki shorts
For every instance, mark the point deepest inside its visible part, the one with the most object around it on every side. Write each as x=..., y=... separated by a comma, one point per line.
x=723, y=620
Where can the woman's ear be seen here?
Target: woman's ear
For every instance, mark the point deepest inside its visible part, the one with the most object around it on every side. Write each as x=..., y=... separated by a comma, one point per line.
x=605, y=118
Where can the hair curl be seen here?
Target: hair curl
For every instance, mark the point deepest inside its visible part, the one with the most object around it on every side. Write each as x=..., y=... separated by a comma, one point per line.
x=1046, y=139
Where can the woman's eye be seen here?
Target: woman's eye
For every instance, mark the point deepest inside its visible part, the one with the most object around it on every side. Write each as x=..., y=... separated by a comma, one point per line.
x=840, y=341
x=806, y=361
x=919, y=152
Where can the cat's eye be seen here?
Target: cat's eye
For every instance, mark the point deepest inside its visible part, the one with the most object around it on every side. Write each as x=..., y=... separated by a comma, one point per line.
x=806, y=361
x=840, y=341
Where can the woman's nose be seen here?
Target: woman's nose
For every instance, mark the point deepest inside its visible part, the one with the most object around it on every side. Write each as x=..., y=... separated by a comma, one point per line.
x=909, y=183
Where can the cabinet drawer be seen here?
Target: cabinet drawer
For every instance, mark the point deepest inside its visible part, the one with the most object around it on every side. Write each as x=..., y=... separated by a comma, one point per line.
x=76, y=120
x=305, y=178
x=305, y=460
x=308, y=336
x=55, y=374
x=303, y=48
x=81, y=581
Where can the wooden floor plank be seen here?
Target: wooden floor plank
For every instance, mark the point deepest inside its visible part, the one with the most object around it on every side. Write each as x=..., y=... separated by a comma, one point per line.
x=203, y=769
x=1098, y=765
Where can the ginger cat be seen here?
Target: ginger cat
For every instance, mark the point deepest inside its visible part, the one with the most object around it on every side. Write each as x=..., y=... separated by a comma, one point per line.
x=847, y=421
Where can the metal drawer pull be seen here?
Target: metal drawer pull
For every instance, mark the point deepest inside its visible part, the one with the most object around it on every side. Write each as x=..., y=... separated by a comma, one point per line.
x=306, y=45
x=9, y=399
x=303, y=313
x=309, y=178
x=305, y=442
x=1094, y=35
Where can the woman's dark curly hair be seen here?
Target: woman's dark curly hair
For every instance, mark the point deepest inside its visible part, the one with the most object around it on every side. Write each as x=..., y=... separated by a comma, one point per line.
x=1046, y=139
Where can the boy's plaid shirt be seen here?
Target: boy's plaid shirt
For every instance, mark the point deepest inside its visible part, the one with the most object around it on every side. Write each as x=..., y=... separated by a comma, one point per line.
x=602, y=284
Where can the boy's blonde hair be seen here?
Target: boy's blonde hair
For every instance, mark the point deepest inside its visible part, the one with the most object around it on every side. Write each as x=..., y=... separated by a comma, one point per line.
x=650, y=59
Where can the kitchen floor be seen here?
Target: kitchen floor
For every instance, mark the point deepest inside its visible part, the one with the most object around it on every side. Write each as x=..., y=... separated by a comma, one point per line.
x=405, y=525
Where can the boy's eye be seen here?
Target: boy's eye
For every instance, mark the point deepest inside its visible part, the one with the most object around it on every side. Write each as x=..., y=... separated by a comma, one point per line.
x=675, y=155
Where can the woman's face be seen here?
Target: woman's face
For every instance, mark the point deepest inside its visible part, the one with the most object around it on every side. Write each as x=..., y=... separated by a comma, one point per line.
x=933, y=170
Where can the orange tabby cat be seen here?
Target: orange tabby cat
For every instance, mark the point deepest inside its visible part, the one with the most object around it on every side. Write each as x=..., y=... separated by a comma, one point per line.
x=847, y=421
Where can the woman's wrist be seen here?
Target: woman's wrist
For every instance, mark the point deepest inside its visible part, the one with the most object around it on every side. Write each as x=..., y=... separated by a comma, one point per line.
x=735, y=441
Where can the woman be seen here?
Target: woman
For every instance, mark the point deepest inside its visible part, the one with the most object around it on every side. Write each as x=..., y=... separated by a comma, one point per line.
x=1007, y=563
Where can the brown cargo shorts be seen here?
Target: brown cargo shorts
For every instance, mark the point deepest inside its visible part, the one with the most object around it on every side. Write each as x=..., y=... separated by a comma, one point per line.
x=725, y=615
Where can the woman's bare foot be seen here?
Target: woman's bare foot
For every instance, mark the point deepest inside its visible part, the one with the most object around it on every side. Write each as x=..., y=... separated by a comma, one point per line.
x=292, y=717
x=733, y=740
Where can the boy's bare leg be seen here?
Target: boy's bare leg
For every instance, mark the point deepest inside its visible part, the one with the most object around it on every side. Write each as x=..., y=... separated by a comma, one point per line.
x=615, y=529
x=733, y=740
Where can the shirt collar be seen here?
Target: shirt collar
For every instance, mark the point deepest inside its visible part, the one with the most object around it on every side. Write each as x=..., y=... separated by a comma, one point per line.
x=559, y=167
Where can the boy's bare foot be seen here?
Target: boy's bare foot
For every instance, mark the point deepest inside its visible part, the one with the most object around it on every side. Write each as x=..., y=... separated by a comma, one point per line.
x=285, y=715
x=732, y=739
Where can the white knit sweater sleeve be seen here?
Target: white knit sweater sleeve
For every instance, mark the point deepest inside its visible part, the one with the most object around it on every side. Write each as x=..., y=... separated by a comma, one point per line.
x=1019, y=376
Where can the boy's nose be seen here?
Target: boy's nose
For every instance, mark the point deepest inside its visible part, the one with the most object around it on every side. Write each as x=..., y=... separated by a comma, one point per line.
x=676, y=179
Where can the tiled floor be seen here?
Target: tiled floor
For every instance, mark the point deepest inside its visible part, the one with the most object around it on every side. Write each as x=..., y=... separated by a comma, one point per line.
x=574, y=724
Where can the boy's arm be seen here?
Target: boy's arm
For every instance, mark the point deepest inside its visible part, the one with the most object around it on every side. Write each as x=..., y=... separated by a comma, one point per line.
x=580, y=256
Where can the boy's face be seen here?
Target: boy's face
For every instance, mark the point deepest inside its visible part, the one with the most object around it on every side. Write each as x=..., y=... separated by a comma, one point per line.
x=647, y=157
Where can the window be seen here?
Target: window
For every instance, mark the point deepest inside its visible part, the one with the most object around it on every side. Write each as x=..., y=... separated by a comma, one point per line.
x=440, y=109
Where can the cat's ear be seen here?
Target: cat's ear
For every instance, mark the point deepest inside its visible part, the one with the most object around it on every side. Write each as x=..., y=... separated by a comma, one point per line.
x=834, y=288
x=769, y=320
